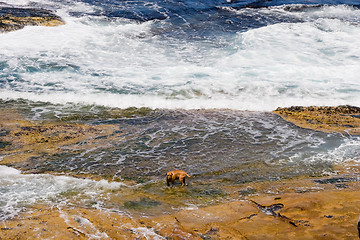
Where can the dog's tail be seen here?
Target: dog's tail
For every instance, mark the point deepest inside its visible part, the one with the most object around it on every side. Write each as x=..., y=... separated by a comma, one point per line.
x=189, y=175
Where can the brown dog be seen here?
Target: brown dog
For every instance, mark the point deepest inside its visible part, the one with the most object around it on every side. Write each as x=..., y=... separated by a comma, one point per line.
x=176, y=174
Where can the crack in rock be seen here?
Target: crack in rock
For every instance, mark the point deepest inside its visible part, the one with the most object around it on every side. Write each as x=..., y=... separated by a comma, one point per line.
x=271, y=210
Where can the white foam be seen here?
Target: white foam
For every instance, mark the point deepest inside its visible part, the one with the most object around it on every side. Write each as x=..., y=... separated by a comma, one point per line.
x=23, y=2
x=121, y=64
x=8, y=172
x=20, y=190
x=147, y=233
x=86, y=227
x=349, y=151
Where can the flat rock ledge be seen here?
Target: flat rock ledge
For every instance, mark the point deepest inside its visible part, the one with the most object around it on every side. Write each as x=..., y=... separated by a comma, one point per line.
x=326, y=119
x=13, y=18
x=318, y=211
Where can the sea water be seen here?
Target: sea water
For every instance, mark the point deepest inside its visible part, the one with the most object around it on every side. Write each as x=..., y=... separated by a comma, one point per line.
x=187, y=54
x=211, y=71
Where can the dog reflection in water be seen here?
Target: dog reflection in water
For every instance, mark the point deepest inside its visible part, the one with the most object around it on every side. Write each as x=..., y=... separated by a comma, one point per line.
x=176, y=175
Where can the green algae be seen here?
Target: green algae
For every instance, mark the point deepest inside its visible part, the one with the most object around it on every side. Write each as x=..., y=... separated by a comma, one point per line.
x=68, y=194
x=143, y=203
x=88, y=113
x=73, y=112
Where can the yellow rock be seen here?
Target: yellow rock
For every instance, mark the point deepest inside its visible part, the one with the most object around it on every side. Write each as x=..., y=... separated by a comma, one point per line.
x=326, y=119
x=17, y=18
x=327, y=214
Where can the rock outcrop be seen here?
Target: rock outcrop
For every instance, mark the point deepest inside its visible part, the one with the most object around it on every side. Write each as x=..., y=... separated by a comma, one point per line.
x=327, y=119
x=14, y=18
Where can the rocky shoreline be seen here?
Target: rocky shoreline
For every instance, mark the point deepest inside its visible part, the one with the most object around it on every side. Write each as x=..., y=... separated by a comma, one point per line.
x=297, y=208
x=292, y=209
x=15, y=18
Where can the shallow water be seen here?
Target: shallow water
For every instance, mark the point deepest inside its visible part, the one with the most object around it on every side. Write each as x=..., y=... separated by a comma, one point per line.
x=203, y=142
x=220, y=148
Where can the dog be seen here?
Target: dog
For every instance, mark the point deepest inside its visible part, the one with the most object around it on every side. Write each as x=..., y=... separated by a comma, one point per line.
x=174, y=175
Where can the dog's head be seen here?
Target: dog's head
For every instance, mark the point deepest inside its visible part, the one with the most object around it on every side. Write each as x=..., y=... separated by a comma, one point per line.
x=169, y=174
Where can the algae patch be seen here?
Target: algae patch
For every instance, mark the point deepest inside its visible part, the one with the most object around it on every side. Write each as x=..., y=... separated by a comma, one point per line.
x=87, y=113
x=143, y=203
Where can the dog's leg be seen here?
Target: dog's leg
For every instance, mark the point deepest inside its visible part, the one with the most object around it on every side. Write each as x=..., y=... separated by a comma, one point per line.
x=182, y=180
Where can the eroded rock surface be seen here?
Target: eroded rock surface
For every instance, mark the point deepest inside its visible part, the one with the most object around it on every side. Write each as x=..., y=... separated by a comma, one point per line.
x=323, y=214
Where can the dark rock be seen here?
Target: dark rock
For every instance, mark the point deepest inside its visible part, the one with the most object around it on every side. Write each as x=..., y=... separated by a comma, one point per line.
x=341, y=185
x=271, y=209
x=212, y=231
x=358, y=226
x=334, y=180
x=4, y=132
x=5, y=228
x=4, y=144
x=14, y=18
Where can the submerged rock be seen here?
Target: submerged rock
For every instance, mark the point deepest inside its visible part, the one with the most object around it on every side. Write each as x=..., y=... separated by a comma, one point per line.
x=13, y=18
x=335, y=180
x=327, y=119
